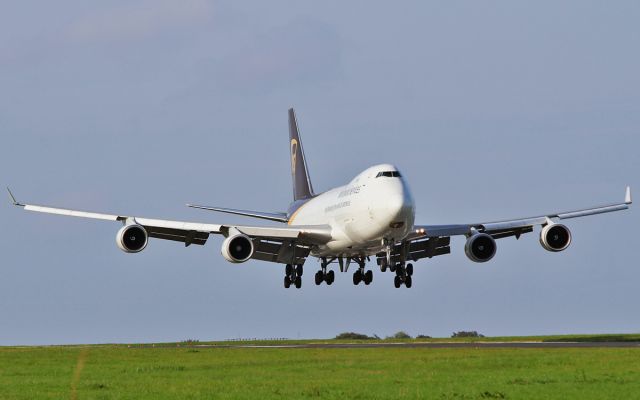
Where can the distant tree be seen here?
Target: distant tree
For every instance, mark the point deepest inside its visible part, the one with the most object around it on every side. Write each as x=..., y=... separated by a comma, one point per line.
x=400, y=335
x=353, y=336
x=466, y=334
x=423, y=337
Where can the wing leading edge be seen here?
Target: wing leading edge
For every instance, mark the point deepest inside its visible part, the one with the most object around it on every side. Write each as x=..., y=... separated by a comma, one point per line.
x=187, y=231
x=515, y=227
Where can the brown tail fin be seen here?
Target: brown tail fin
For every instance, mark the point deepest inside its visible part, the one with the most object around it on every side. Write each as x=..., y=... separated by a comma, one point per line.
x=302, y=188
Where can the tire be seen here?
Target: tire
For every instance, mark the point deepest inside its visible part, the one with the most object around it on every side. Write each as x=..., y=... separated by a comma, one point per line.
x=408, y=281
x=383, y=268
x=397, y=282
x=368, y=277
x=357, y=277
x=299, y=269
x=331, y=276
x=287, y=282
x=298, y=282
x=410, y=269
x=392, y=268
x=288, y=270
x=319, y=278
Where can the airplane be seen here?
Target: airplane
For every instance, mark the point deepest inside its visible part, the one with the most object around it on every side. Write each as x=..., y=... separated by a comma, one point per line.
x=372, y=216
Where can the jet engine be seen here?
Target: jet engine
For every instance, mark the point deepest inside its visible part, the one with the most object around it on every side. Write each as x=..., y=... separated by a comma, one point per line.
x=480, y=247
x=132, y=238
x=555, y=237
x=237, y=248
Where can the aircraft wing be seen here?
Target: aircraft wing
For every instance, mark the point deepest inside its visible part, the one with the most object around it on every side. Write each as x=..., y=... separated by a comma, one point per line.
x=195, y=232
x=514, y=227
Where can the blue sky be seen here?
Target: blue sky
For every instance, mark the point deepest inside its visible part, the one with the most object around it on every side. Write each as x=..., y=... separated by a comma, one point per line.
x=491, y=109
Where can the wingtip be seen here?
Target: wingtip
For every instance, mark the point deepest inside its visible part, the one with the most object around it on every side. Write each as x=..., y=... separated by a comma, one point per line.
x=13, y=198
x=627, y=196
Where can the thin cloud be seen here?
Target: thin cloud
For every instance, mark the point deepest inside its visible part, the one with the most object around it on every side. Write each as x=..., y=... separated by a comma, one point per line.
x=139, y=19
x=304, y=51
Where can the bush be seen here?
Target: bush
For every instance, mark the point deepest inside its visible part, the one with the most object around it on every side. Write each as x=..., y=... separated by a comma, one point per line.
x=400, y=335
x=353, y=336
x=423, y=337
x=467, y=334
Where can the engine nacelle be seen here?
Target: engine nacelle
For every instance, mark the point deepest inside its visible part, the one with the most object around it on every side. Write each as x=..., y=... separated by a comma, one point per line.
x=480, y=247
x=555, y=237
x=132, y=238
x=237, y=248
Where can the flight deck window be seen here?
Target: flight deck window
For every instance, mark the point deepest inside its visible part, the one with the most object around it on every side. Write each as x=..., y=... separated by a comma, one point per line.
x=389, y=174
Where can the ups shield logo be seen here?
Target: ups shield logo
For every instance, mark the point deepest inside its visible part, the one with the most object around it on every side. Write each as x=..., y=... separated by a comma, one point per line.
x=294, y=153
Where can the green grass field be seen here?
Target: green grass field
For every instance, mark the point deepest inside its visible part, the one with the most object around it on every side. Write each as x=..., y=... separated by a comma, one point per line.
x=142, y=372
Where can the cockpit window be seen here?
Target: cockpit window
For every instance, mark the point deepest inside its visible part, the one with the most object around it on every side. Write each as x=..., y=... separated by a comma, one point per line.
x=389, y=174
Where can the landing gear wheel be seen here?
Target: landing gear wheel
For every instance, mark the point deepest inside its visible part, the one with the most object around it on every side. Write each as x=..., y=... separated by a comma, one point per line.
x=409, y=269
x=287, y=282
x=298, y=282
x=299, y=270
x=383, y=268
x=331, y=276
x=392, y=268
x=319, y=277
x=408, y=281
x=368, y=277
x=288, y=270
x=357, y=277
x=397, y=281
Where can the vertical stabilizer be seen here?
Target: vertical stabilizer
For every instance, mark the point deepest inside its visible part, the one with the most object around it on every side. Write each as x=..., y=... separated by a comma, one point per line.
x=302, y=188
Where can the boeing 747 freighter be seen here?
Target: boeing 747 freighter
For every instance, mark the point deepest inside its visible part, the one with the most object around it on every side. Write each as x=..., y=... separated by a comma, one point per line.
x=371, y=217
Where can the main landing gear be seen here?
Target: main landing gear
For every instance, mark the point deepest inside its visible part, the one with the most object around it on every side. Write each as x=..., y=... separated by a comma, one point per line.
x=293, y=276
x=403, y=275
x=324, y=276
x=361, y=275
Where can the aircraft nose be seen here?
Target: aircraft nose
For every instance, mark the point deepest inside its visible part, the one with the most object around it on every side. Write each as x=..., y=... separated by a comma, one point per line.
x=394, y=203
x=398, y=204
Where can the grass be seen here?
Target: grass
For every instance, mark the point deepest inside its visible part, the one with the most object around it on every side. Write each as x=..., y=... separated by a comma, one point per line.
x=122, y=372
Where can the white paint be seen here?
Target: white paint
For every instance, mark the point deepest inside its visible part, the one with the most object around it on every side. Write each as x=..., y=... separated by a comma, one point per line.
x=362, y=213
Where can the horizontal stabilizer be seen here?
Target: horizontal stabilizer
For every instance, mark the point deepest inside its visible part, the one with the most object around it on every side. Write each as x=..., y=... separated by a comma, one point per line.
x=278, y=217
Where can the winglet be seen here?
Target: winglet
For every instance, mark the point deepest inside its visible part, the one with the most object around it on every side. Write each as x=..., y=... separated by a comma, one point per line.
x=13, y=198
x=627, y=196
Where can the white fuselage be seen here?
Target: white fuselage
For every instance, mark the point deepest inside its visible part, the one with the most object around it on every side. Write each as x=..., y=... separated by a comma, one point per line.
x=362, y=214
